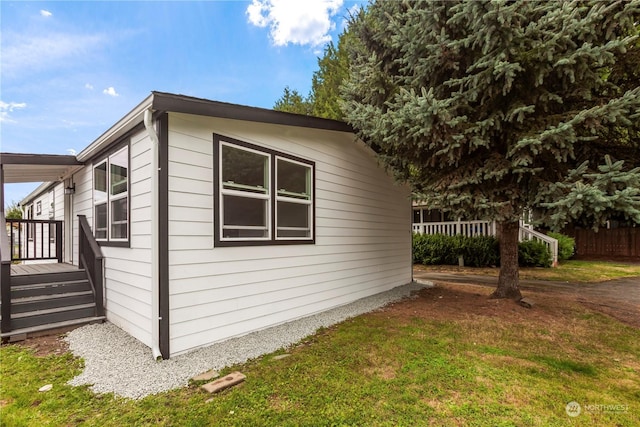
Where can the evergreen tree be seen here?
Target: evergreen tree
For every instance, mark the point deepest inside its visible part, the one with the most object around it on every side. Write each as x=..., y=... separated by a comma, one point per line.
x=488, y=108
x=292, y=102
x=332, y=72
x=323, y=101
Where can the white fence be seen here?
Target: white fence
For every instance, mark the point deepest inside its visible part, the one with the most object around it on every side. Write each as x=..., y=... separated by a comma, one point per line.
x=486, y=228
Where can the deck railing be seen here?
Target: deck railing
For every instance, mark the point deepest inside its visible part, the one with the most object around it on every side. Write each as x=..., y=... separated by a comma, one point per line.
x=453, y=228
x=35, y=239
x=91, y=259
x=5, y=276
x=486, y=228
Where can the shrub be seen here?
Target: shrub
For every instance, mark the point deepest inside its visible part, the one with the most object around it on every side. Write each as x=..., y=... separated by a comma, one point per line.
x=532, y=253
x=566, y=245
x=480, y=251
x=436, y=249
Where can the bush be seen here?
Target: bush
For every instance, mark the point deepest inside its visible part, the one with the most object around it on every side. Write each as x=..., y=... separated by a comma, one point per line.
x=441, y=249
x=480, y=251
x=533, y=254
x=566, y=245
x=436, y=249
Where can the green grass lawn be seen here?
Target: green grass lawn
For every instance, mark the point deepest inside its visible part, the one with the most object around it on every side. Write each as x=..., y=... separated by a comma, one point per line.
x=425, y=361
x=572, y=271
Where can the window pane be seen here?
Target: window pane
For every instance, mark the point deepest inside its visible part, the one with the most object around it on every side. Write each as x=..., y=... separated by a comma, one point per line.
x=240, y=233
x=245, y=168
x=100, y=183
x=119, y=214
x=416, y=216
x=119, y=166
x=100, y=221
x=293, y=220
x=244, y=211
x=294, y=233
x=293, y=179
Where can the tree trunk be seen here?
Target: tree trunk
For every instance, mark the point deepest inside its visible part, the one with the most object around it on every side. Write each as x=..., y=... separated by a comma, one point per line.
x=509, y=276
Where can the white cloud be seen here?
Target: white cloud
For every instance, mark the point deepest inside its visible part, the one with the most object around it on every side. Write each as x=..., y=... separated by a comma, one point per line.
x=294, y=21
x=88, y=86
x=24, y=53
x=110, y=91
x=71, y=151
x=45, y=13
x=6, y=108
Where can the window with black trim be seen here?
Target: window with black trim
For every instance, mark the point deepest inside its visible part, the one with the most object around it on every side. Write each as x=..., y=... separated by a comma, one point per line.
x=111, y=197
x=262, y=196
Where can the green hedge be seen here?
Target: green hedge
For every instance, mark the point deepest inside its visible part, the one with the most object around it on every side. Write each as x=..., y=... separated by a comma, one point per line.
x=532, y=253
x=480, y=251
x=566, y=245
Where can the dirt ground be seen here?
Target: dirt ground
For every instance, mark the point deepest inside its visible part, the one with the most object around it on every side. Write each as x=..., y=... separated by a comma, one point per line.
x=453, y=301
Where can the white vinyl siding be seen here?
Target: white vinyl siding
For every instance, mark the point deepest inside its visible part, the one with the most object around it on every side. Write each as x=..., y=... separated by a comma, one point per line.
x=127, y=269
x=362, y=242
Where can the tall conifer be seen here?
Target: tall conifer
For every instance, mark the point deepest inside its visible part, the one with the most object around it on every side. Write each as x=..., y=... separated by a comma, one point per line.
x=490, y=108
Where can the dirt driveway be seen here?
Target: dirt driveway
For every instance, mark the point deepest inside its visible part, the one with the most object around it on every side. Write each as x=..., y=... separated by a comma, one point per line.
x=618, y=298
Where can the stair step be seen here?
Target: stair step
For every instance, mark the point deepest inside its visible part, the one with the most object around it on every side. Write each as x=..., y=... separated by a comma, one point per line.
x=51, y=315
x=39, y=289
x=53, y=326
x=43, y=302
x=30, y=279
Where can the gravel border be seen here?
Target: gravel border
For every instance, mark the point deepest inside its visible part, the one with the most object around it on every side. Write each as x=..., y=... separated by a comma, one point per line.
x=116, y=362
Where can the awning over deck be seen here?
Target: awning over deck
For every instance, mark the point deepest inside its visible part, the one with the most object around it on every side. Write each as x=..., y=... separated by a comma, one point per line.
x=18, y=167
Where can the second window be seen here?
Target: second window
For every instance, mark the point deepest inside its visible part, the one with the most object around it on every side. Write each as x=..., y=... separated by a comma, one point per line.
x=262, y=196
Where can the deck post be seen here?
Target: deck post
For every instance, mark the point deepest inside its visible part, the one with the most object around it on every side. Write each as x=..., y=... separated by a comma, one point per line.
x=5, y=290
x=59, y=239
x=99, y=286
x=5, y=276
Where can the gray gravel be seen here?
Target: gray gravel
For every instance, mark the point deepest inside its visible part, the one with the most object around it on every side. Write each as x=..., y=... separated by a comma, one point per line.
x=116, y=362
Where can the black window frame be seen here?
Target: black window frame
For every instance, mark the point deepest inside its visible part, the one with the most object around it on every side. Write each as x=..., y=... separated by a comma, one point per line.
x=274, y=155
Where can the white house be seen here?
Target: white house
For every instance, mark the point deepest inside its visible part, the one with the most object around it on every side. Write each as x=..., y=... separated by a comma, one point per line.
x=216, y=219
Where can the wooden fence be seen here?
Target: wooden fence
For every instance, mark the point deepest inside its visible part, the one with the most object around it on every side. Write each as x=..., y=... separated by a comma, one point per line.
x=607, y=243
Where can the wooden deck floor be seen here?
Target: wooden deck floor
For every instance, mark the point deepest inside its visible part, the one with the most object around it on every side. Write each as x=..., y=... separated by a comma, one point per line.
x=23, y=269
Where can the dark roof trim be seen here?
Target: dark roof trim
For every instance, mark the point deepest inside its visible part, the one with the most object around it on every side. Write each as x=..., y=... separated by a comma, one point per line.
x=38, y=159
x=163, y=101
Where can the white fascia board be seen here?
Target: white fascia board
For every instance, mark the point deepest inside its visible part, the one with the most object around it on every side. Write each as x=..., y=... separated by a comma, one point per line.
x=121, y=127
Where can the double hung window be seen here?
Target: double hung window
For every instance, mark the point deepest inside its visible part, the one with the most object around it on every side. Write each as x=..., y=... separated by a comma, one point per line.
x=111, y=197
x=262, y=196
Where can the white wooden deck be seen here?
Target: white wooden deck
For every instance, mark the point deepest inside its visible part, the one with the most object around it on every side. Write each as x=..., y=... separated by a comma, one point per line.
x=41, y=268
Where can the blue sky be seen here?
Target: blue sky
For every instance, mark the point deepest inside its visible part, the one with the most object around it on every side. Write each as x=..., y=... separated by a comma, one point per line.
x=69, y=70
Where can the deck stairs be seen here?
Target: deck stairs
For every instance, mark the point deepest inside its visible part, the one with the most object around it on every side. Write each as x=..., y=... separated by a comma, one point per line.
x=49, y=301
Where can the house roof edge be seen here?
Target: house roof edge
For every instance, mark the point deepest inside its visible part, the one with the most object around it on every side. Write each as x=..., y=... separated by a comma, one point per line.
x=163, y=101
